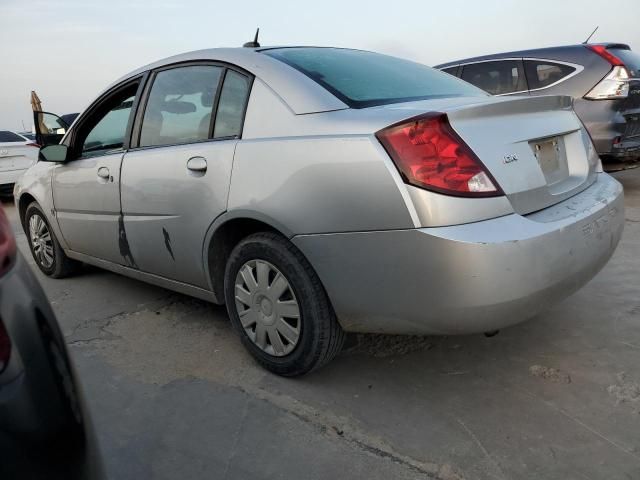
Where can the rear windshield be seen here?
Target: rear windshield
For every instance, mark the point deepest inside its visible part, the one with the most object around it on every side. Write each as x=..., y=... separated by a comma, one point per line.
x=6, y=136
x=631, y=60
x=363, y=79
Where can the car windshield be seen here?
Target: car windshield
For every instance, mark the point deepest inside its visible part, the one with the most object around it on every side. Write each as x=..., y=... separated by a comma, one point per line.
x=363, y=79
x=631, y=60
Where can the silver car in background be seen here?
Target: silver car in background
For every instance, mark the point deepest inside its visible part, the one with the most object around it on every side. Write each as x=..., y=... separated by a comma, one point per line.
x=317, y=191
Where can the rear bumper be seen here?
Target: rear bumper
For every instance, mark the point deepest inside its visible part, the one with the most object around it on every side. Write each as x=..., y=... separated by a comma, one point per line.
x=468, y=278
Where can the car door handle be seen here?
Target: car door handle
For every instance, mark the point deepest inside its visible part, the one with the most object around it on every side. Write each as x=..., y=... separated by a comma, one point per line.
x=197, y=164
x=103, y=172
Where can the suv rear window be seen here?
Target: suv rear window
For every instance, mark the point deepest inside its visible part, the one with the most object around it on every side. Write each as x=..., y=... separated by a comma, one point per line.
x=497, y=77
x=6, y=136
x=542, y=73
x=631, y=60
x=363, y=79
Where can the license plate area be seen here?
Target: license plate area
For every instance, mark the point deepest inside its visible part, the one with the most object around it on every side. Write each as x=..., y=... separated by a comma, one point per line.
x=552, y=158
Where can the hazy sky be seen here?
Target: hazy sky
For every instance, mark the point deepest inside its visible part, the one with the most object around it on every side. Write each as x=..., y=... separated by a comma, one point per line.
x=69, y=50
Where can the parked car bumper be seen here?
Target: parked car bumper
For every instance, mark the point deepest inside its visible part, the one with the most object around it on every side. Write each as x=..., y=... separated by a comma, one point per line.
x=468, y=278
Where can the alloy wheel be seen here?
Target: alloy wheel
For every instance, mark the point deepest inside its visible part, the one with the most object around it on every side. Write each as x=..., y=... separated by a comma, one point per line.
x=41, y=241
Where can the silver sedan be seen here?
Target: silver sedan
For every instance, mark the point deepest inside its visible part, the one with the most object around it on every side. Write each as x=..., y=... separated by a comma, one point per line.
x=317, y=191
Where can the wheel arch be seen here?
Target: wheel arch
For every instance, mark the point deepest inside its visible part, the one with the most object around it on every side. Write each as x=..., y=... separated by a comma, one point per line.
x=224, y=234
x=23, y=202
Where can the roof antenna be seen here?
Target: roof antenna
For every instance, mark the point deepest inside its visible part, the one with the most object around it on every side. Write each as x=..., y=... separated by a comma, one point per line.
x=255, y=43
x=589, y=37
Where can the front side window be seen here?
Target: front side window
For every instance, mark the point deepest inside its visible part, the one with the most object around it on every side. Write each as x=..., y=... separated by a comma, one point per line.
x=108, y=134
x=180, y=105
x=542, y=73
x=231, y=106
x=363, y=79
x=50, y=124
x=496, y=77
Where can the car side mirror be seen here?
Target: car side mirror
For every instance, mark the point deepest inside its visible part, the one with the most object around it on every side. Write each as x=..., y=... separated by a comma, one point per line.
x=54, y=153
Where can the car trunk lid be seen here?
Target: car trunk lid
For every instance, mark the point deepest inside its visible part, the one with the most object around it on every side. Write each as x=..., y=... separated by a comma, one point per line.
x=16, y=156
x=535, y=147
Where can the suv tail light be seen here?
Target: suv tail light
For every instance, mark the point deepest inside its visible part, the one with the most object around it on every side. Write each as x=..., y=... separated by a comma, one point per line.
x=616, y=83
x=606, y=54
x=430, y=154
x=7, y=243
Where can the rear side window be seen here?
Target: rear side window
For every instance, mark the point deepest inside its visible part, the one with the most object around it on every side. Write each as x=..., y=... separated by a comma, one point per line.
x=363, y=79
x=180, y=105
x=542, y=73
x=630, y=59
x=231, y=106
x=451, y=70
x=496, y=77
x=6, y=136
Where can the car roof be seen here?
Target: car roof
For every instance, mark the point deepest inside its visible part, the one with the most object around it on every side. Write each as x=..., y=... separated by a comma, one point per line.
x=298, y=91
x=547, y=52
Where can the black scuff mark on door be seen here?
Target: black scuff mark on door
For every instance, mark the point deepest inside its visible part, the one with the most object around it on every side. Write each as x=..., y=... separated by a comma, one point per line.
x=123, y=243
x=167, y=242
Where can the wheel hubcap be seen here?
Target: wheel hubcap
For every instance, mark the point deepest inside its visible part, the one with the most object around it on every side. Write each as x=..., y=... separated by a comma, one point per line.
x=41, y=241
x=267, y=307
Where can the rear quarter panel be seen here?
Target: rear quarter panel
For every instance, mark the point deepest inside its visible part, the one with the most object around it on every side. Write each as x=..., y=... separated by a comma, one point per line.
x=313, y=173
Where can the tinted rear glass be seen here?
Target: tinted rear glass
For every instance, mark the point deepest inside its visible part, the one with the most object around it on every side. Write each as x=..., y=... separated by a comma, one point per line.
x=498, y=77
x=542, y=73
x=363, y=79
x=6, y=136
x=631, y=60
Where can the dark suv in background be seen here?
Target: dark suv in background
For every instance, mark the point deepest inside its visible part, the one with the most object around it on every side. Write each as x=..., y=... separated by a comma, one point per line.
x=603, y=79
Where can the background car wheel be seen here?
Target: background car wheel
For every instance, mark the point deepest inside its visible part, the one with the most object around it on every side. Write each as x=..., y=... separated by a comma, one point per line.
x=279, y=307
x=44, y=245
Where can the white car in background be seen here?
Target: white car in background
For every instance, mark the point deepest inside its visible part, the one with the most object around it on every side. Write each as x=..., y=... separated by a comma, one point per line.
x=17, y=153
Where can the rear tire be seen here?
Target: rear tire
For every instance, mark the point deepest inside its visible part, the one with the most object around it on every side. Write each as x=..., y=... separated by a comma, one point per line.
x=267, y=282
x=44, y=245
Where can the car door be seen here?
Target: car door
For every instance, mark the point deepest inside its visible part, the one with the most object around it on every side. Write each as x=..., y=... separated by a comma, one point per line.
x=497, y=77
x=176, y=181
x=86, y=188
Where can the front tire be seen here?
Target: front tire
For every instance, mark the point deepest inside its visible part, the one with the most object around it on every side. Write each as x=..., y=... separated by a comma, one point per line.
x=44, y=245
x=279, y=307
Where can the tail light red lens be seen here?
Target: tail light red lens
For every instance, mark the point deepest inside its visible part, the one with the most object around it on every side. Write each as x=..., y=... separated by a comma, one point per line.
x=5, y=347
x=7, y=243
x=606, y=54
x=430, y=154
x=32, y=144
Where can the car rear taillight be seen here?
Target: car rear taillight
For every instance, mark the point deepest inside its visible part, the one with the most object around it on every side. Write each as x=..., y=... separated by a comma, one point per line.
x=616, y=83
x=606, y=54
x=32, y=144
x=5, y=347
x=430, y=154
x=7, y=243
